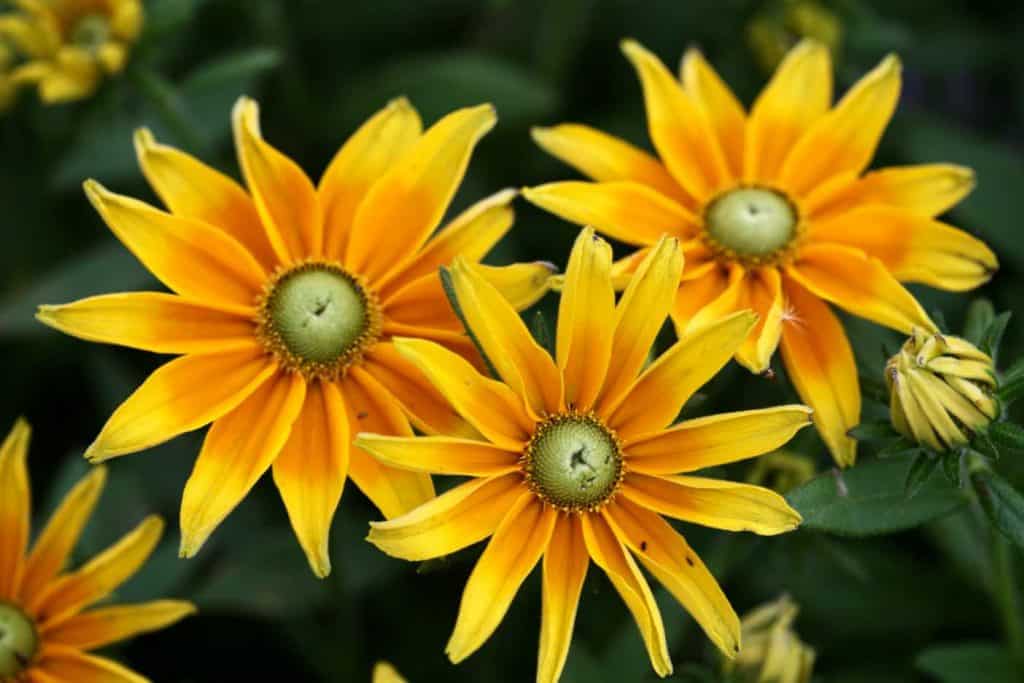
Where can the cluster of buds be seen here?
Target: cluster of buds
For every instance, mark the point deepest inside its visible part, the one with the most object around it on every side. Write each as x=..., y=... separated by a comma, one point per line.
x=941, y=390
x=772, y=652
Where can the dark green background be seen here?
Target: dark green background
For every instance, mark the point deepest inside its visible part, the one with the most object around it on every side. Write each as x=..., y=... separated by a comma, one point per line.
x=870, y=607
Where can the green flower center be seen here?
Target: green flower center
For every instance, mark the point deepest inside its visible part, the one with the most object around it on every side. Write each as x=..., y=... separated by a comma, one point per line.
x=18, y=641
x=573, y=462
x=752, y=222
x=317, y=318
x=91, y=31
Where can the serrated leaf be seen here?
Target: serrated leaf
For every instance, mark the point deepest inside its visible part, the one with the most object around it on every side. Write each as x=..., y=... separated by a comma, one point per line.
x=869, y=499
x=1007, y=436
x=979, y=316
x=969, y=662
x=1003, y=504
x=920, y=471
x=873, y=431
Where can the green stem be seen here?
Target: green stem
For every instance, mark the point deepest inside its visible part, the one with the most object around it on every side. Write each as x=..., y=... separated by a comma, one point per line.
x=1007, y=596
x=170, y=107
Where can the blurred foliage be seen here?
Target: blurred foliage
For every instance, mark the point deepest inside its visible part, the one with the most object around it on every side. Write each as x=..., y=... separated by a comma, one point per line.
x=933, y=602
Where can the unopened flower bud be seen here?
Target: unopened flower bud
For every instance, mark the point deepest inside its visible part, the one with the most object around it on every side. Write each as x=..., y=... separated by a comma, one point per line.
x=772, y=652
x=941, y=390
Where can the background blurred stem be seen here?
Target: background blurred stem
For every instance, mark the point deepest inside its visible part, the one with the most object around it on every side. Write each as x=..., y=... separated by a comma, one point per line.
x=1007, y=596
x=170, y=106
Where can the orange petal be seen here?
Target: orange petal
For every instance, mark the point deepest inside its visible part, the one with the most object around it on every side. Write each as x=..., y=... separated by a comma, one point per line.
x=720, y=106
x=565, y=568
x=191, y=189
x=926, y=190
x=422, y=302
x=106, y=625
x=311, y=468
x=763, y=295
x=372, y=409
x=820, y=363
x=440, y=454
x=64, y=664
x=284, y=196
x=15, y=507
x=237, y=450
x=730, y=299
x=694, y=294
x=372, y=151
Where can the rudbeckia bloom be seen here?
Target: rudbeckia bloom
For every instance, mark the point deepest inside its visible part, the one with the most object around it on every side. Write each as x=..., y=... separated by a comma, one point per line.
x=8, y=87
x=48, y=622
x=776, y=214
x=285, y=300
x=575, y=461
x=70, y=45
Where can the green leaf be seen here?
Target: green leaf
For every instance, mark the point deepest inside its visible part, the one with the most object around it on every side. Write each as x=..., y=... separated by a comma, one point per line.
x=920, y=471
x=994, y=335
x=899, y=448
x=1010, y=391
x=166, y=16
x=1003, y=504
x=980, y=315
x=541, y=331
x=1007, y=436
x=873, y=431
x=870, y=499
x=951, y=461
x=969, y=662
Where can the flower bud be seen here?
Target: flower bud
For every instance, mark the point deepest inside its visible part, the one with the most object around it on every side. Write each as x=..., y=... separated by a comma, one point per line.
x=772, y=652
x=941, y=390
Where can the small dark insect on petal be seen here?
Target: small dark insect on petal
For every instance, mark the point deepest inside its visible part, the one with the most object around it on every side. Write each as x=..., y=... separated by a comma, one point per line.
x=643, y=546
x=689, y=560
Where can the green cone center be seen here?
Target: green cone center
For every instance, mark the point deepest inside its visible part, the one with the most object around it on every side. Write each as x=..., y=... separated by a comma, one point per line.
x=574, y=462
x=18, y=641
x=91, y=31
x=318, y=312
x=751, y=221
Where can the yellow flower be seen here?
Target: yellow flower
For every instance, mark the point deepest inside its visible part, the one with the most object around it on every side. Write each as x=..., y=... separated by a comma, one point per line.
x=575, y=462
x=285, y=301
x=385, y=673
x=46, y=625
x=70, y=45
x=776, y=215
x=8, y=87
x=941, y=390
x=772, y=652
x=773, y=32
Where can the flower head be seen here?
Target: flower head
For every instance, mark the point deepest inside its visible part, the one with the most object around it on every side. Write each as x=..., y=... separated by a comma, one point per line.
x=941, y=390
x=71, y=45
x=48, y=622
x=8, y=87
x=574, y=460
x=285, y=302
x=776, y=214
x=772, y=652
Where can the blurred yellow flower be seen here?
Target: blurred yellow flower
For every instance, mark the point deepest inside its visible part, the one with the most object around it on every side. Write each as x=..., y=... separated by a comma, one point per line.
x=775, y=30
x=782, y=471
x=285, y=302
x=385, y=673
x=772, y=652
x=575, y=462
x=941, y=390
x=775, y=214
x=70, y=45
x=8, y=87
x=46, y=624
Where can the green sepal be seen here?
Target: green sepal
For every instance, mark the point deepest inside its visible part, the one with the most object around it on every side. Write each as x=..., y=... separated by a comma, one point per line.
x=951, y=461
x=1006, y=436
x=984, y=444
x=453, y=300
x=919, y=473
x=1003, y=504
x=980, y=315
x=994, y=336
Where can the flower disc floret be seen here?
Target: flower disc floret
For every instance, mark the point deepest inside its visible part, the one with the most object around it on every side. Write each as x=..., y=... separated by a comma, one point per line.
x=18, y=641
x=751, y=224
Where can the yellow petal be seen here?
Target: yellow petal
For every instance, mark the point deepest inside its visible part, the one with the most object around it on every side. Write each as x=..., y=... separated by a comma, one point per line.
x=372, y=409
x=710, y=502
x=608, y=553
x=490, y=406
x=440, y=455
x=639, y=316
x=61, y=663
x=106, y=625
x=565, y=568
x=423, y=403
x=510, y=556
x=763, y=295
x=605, y=158
x=459, y=342
x=454, y=520
x=731, y=298
x=112, y=56
x=194, y=259
x=126, y=19
x=402, y=209
x=284, y=196
x=587, y=309
x=521, y=284
x=470, y=235
x=185, y=394
x=715, y=440
x=820, y=363
x=798, y=94
x=372, y=151
x=519, y=360
x=860, y=284
x=624, y=210
x=925, y=190
x=385, y=673
x=658, y=395
x=665, y=554
x=151, y=321
x=697, y=293
x=103, y=574
x=54, y=545
x=191, y=189
x=720, y=106
x=15, y=507
x=238, y=449
x=679, y=128
x=913, y=247
x=844, y=140
x=311, y=469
